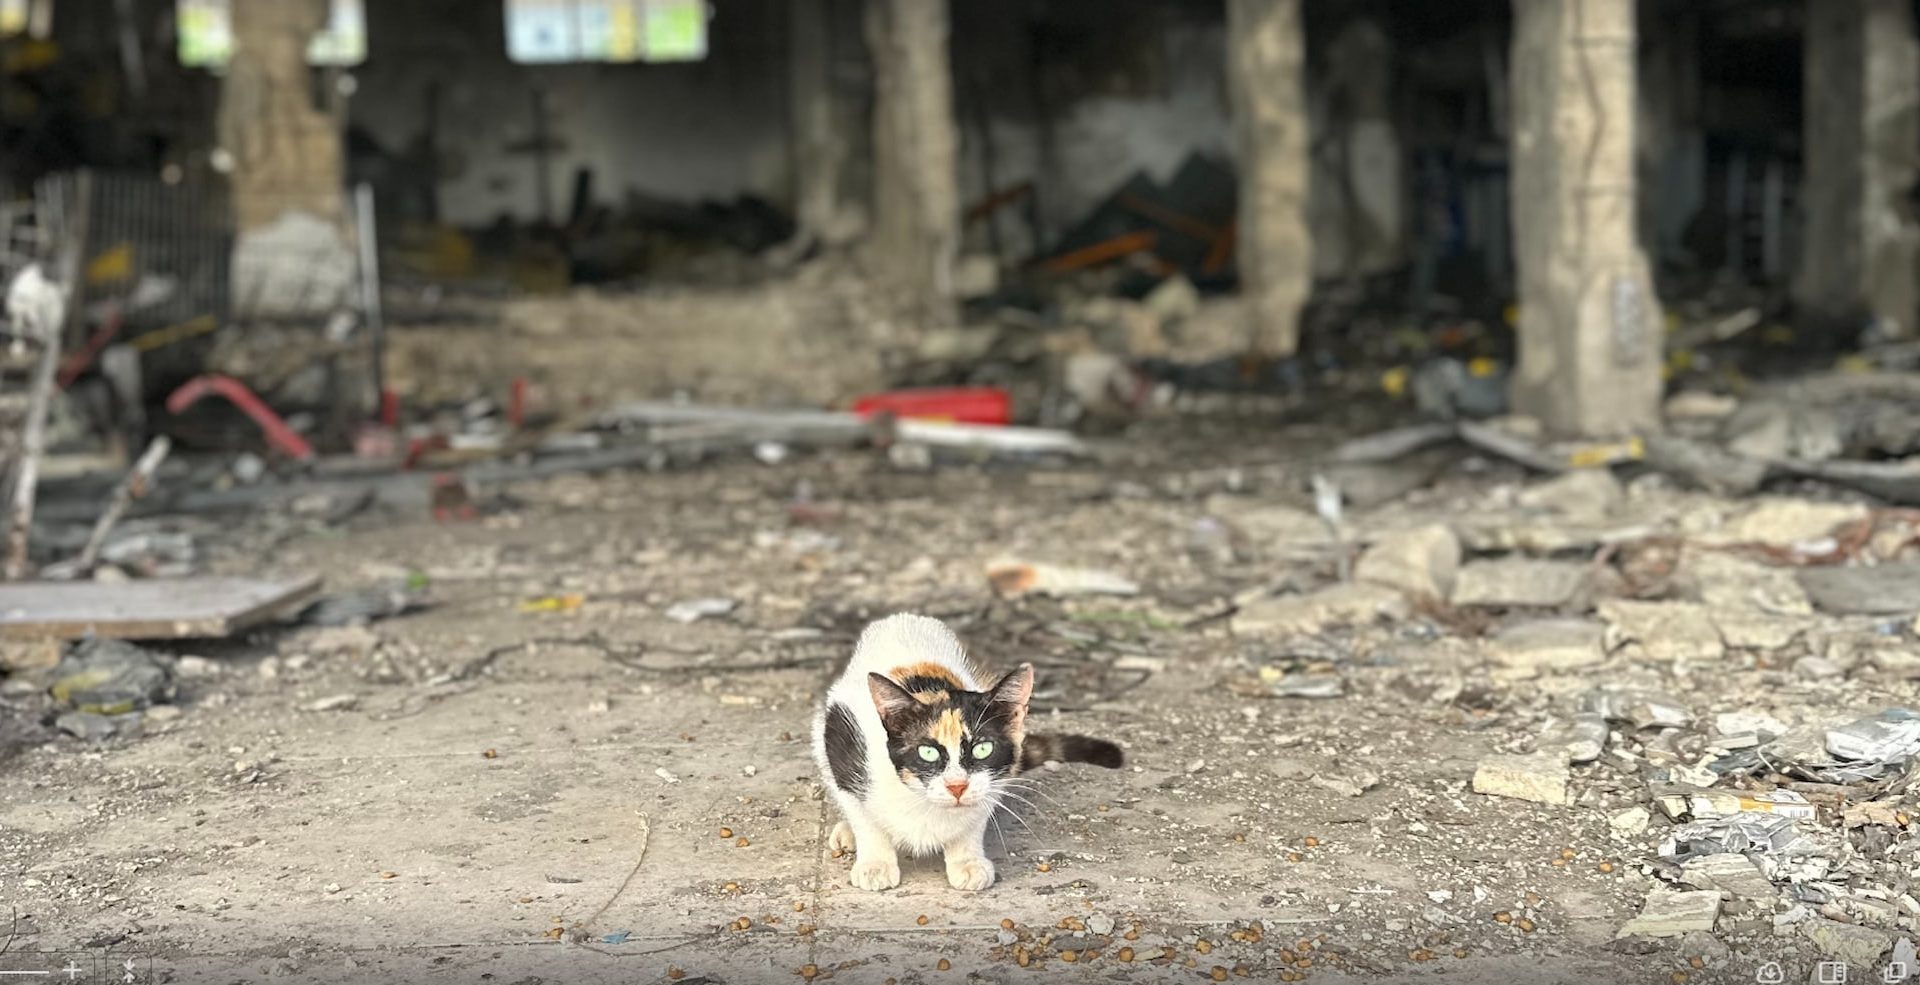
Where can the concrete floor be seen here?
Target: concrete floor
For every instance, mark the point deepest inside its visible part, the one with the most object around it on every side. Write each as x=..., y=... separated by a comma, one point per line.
x=552, y=812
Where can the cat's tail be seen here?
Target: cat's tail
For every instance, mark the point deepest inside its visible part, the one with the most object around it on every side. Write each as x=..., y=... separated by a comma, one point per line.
x=1038, y=750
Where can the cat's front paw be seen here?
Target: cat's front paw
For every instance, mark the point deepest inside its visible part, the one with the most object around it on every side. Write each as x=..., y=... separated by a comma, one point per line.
x=876, y=873
x=971, y=874
x=841, y=840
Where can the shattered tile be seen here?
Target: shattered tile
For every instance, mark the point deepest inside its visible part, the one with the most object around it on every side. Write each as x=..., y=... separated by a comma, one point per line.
x=1857, y=946
x=1727, y=872
x=1663, y=631
x=1540, y=777
x=1671, y=914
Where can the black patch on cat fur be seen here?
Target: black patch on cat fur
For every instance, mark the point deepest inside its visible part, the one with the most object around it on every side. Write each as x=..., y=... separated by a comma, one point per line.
x=845, y=755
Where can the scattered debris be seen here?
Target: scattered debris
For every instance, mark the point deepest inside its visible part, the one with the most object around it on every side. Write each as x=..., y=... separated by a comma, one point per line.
x=1551, y=645
x=1520, y=583
x=1727, y=872
x=111, y=677
x=1882, y=590
x=1012, y=577
x=1344, y=604
x=1857, y=946
x=694, y=610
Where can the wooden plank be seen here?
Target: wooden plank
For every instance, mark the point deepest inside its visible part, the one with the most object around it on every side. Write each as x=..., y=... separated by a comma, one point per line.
x=158, y=608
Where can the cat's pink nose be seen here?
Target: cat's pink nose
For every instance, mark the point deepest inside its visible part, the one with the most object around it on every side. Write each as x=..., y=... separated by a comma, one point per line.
x=956, y=787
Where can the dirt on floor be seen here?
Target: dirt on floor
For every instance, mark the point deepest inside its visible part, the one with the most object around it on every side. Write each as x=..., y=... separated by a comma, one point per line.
x=1348, y=743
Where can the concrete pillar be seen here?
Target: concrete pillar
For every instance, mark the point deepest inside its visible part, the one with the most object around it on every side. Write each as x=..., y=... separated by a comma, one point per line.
x=1590, y=343
x=1371, y=167
x=287, y=152
x=822, y=124
x=916, y=210
x=1266, y=55
x=1860, y=244
x=293, y=253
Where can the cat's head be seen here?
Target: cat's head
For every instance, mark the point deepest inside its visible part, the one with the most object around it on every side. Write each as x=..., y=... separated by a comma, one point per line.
x=954, y=746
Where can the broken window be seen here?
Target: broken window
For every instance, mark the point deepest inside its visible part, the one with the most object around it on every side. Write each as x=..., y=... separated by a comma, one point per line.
x=206, y=34
x=553, y=31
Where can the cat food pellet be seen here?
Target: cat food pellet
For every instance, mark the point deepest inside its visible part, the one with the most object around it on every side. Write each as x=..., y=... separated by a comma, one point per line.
x=808, y=971
x=556, y=933
x=1534, y=899
x=1287, y=955
x=726, y=832
x=1679, y=978
x=1459, y=952
x=1006, y=923
x=892, y=981
x=490, y=754
x=1125, y=954
x=526, y=899
x=389, y=875
x=1045, y=867
x=1311, y=842
x=742, y=843
x=1217, y=973
x=1069, y=956
x=1242, y=971
x=1606, y=866
x=799, y=907
x=1204, y=947
x=1525, y=925
x=1421, y=954
x=1021, y=958
x=1503, y=917
x=1696, y=962
x=1566, y=853
x=804, y=929
x=944, y=965
x=1303, y=963
x=921, y=920
x=786, y=737
x=1559, y=863
x=1132, y=934
x=676, y=974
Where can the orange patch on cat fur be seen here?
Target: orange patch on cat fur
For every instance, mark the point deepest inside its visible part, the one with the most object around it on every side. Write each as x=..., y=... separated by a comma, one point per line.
x=948, y=729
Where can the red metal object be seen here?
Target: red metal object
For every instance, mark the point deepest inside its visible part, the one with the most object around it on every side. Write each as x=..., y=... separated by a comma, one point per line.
x=960, y=404
x=77, y=363
x=389, y=408
x=279, y=435
x=517, y=403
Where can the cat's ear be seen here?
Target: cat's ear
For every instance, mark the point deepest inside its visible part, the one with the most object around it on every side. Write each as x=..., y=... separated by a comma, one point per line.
x=890, y=699
x=1012, y=693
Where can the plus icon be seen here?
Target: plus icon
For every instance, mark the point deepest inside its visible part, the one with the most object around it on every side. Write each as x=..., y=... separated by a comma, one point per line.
x=73, y=969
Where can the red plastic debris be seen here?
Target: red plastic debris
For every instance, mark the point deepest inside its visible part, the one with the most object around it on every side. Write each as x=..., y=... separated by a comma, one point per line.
x=960, y=404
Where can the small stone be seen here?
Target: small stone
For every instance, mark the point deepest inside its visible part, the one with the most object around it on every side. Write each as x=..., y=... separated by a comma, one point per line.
x=1630, y=823
x=1670, y=914
x=1663, y=631
x=1853, y=944
x=1581, y=492
x=1547, y=645
x=1348, y=604
x=333, y=887
x=1100, y=924
x=87, y=725
x=1785, y=522
x=1422, y=563
x=192, y=666
x=337, y=702
x=1520, y=583
x=1538, y=777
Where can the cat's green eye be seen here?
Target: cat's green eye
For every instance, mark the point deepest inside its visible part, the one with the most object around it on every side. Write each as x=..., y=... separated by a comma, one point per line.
x=929, y=754
x=982, y=750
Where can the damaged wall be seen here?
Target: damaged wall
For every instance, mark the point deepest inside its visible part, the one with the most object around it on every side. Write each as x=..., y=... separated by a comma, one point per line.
x=714, y=128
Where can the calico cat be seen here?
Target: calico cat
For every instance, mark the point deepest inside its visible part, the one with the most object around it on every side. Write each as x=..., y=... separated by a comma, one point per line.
x=918, y=754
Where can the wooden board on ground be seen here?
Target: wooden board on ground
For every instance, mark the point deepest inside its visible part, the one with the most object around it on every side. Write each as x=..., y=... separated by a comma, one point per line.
x=159, y=608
